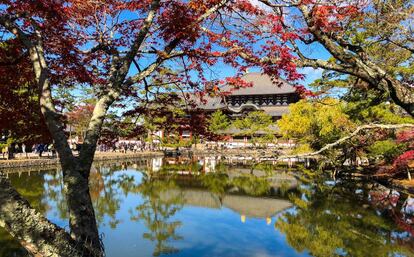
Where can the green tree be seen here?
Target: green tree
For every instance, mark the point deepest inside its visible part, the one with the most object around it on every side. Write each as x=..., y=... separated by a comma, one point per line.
x=218, y=122
x=386, y=150
x=157, y=210
x=318, y=122
x=254, y=123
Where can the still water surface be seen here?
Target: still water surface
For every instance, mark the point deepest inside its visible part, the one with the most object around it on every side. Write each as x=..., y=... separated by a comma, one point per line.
x=212, y=206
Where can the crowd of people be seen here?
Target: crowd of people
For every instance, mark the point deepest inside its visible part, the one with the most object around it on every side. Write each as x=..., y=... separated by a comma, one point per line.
x=48, y=150
x=125, y=146
x=21, y=150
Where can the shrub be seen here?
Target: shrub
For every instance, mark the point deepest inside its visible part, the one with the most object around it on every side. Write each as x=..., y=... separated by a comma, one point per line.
x=387, y=149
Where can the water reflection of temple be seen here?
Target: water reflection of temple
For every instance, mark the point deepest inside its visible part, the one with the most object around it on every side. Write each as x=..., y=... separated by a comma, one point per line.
x=232, y=166
x=253, y=207
x=244, y=205
x=193, y=193
x=188, y=171
x=156, y=163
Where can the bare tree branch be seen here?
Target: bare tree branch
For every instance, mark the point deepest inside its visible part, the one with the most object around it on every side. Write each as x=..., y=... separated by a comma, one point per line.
x=142, y=34
x=168, y=53
x=346, y=138
x=119, y=70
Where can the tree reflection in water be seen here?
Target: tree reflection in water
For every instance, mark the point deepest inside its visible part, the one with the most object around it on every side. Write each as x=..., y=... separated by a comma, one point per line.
x=328, y=219
x=157, y=212
x=104, y=190
x=35, y=194
x=108, y=188
x=335, y=219
x=216, y=183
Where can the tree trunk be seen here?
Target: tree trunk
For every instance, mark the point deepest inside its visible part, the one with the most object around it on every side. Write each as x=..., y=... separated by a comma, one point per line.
x=75, y=169
x=38, y=235
x=402, y=95
x=352, y=63
x=82, y=222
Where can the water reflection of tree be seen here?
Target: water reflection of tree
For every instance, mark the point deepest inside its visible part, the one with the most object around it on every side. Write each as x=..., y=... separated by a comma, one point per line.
x=55, y=192
x=192, y=167
x=216, y=183
x=331, y=221
x=105, y=194
x=105, y=190
x=252, y=185
x=10, y=246
x=157, y=210
x=32, y=189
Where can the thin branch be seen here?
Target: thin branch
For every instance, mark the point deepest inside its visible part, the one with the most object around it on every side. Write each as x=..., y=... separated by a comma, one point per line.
x=8, y=22
x=168, y=52
x=142, y=34
x=280, y=5
x=145, y=80
x=408, y=48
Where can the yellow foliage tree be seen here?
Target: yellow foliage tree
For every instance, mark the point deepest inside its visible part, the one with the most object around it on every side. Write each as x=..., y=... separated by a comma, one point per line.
x=315, y=123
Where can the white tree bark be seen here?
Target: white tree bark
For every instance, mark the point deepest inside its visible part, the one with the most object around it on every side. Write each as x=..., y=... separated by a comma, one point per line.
x=346, y=138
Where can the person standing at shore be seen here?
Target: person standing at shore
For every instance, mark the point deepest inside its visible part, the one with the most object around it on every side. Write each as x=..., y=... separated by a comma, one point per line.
x=24, y=149
x=4, y=151
x=53, y=150
x=40, y=149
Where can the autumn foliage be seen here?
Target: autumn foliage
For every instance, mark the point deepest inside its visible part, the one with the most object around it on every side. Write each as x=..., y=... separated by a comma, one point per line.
x=20, y=116
x=129, y=53
x=406, y=160
x=83, y=38
x=78, y=119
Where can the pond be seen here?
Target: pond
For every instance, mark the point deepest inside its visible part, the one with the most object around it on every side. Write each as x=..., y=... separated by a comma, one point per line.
x=216, y=206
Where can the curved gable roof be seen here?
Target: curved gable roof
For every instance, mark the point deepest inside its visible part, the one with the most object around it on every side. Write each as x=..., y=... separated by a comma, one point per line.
x=262, y=85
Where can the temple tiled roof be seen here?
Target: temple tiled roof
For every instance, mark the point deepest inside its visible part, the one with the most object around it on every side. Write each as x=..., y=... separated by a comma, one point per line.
x=262, y=85
x=208, y=103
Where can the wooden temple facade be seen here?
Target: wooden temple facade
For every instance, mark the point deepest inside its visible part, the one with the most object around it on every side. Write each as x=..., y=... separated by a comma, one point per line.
x=270, y=96
x=265, y=94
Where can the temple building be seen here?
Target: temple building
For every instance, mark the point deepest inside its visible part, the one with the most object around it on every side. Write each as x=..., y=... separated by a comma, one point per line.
x=267, y=95
x=272, y=97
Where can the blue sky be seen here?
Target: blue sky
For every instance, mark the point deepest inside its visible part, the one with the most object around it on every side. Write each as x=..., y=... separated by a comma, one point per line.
x=314, y=50
x=220, y=71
